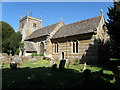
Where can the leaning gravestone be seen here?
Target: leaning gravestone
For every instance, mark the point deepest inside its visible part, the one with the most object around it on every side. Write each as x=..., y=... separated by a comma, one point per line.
x=62, y=64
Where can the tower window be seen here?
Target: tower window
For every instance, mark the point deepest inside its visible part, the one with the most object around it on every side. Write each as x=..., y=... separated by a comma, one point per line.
x=34, y=25
x=22, y=25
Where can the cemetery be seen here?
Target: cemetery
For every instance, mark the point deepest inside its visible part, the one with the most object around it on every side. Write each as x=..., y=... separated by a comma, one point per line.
x=28, y=72
x=81, y=51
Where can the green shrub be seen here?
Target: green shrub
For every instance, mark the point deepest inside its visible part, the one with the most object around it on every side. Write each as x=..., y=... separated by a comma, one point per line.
x=40, y=54
x=44, y=58
x=17, y=52
x=35, y=54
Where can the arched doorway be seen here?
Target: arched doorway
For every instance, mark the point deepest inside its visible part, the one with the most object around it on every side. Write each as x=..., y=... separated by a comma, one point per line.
x=41, y=48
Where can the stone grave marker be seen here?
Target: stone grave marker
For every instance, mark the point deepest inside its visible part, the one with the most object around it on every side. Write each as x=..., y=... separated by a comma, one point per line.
x=118, y=74
x=54, y=66
x=17, y=59
x=84, y=68
x=62, y=64
x=13, y=65
x=24, y=59
x=86, y=75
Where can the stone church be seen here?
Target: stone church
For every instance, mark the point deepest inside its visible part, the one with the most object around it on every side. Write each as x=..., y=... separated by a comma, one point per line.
x=86, y=40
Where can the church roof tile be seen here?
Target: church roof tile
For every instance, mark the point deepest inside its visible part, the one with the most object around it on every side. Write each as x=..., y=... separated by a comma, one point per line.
x=29, y=46
x=43, y=31
x=81, y=27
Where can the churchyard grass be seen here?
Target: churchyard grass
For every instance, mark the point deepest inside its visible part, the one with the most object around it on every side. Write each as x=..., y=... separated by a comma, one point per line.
x=39, y=74
x=114, y=59
x=45, y=63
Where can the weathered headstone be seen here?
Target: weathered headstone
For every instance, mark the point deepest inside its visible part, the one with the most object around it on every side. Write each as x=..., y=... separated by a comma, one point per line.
x=118, y=74
x=69, y=63
x=13, y=65
x=84, y=66
x=86, y=75
x=54, y=66
x=62, y=64
x=5, y=58
x=17, y=59
x=24, y=59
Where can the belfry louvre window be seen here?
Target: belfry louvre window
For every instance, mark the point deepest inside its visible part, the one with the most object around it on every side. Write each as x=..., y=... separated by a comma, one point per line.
x=56, y=47
x=75, y=47
x=34, y=24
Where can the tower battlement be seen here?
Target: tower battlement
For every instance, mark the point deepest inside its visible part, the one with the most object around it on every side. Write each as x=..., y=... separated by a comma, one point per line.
x=28, y=25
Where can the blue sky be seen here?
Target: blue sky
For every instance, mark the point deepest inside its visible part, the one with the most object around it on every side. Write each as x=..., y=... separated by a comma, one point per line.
x=51, y=12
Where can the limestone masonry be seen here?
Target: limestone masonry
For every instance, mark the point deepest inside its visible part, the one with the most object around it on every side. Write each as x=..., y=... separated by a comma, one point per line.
x=85, y=40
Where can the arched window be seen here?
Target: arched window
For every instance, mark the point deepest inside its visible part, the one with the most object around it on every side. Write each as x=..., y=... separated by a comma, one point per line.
x=56, y=47
x=75, y=47
x=42, y=48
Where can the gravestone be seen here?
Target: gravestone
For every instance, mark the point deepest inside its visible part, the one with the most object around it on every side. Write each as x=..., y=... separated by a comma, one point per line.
x=54, y=66
x=24, y=59
x=62, y=64
x=16, y=59
x=5, y=58
x=86, y=75
x=118, y=74
x=84, y=66
x=13, y=65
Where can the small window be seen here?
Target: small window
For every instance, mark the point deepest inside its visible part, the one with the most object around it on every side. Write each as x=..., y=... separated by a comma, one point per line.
x=56, y=47
x=22, y=25
x=34, y=24
x=75, y=47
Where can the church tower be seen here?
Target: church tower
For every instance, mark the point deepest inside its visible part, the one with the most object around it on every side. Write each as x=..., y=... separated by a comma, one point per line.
x=28, y=25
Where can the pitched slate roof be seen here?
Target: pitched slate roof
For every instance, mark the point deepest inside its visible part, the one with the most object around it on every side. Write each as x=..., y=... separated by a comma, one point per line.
x=81, y=27
x=29, y=46
x=43, y=31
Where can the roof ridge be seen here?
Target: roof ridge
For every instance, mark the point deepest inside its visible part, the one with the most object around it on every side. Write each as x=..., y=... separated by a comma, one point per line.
x=47, y=26
x=80, y=27
x=44, y=29
x=82, y=20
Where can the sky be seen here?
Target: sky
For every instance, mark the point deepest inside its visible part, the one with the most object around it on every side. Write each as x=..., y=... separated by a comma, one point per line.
x=51, y=12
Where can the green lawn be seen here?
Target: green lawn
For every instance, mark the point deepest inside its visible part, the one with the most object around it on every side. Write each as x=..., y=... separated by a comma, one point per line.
x=39, y=74
x=114, y=59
